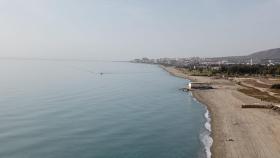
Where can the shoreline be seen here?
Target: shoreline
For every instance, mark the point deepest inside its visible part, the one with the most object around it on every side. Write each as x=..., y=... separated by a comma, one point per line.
x=236, y=132
x=206, y=137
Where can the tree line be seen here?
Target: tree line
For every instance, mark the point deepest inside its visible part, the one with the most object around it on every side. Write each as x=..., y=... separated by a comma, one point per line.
x=235, y=70
x=250, y=70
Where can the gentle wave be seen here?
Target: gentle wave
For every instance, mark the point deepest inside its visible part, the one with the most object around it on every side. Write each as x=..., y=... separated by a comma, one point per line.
x=205, y=136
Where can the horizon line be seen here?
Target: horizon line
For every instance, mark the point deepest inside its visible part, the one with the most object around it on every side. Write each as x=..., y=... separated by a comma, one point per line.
x=59, y=59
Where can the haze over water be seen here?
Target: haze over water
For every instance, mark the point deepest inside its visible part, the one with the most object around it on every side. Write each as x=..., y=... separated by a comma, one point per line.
x=67, y=109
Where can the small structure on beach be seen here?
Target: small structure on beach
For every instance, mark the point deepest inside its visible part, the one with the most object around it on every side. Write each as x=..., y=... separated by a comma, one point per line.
x=199, y=85
x=269, y=106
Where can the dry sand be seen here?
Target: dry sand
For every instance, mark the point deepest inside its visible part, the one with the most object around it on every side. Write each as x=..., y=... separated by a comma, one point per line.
x=254, y=133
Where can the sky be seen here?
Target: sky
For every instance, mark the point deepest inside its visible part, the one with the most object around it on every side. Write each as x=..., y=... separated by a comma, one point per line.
x=128, y=29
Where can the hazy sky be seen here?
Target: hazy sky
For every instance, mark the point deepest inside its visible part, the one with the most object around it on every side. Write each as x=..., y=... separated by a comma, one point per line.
x=125, y=29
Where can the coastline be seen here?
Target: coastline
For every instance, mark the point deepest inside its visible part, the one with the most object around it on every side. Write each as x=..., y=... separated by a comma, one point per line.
x=206, y=136
x=236, y=132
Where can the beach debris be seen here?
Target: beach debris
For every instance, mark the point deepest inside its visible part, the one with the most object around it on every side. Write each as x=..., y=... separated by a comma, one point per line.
x=235, y=123
x=230, y=140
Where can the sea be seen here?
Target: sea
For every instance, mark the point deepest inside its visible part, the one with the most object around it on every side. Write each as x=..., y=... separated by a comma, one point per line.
x=98, y=109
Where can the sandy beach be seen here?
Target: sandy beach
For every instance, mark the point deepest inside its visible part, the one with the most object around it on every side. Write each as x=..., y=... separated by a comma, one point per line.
x=237, y=132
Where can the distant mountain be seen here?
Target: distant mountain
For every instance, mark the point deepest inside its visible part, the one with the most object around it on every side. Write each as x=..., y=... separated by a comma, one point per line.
x=260, y=57
x=266, y=54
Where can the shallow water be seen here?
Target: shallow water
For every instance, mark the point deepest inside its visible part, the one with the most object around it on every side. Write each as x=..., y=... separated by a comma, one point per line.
x=68, y=109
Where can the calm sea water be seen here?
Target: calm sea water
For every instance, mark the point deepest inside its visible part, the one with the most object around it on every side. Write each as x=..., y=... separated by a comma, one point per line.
x=67, y=110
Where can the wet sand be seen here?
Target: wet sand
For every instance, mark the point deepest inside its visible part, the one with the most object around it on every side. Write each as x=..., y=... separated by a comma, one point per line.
x=237, y=132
